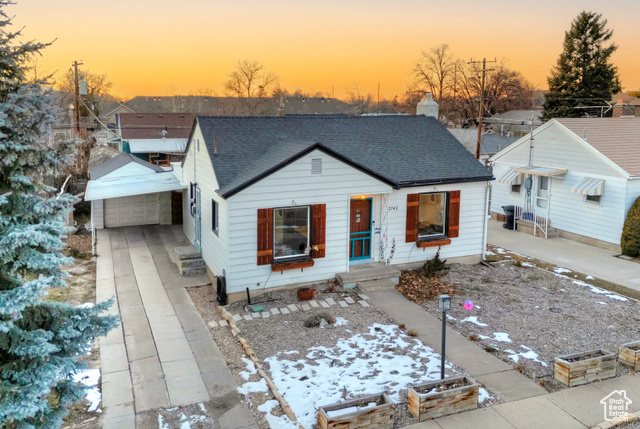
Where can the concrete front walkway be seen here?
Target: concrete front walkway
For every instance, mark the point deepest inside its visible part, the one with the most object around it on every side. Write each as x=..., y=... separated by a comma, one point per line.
x=570, y=254
x=162, y=355
x=496, y=375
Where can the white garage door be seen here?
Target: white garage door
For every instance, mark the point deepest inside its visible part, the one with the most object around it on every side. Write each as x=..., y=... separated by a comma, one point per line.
x=135, y=210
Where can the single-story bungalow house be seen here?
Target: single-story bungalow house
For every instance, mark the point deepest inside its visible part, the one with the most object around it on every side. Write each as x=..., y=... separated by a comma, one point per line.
x=578, y=176
x=126, y=191
x=158, y=138
x=276, y=201
x=490, y=144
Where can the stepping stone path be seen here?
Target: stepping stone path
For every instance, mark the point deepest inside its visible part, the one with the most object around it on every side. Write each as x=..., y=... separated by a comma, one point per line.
x=291, y=308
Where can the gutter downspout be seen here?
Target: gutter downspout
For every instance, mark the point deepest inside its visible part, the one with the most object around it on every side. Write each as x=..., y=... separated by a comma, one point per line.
x=486, y=221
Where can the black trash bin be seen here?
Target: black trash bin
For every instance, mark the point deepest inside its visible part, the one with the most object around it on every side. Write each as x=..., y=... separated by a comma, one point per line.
x=510, y=214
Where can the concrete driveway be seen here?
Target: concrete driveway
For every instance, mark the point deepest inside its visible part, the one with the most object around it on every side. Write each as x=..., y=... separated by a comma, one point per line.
x=162, y=355
x=570, y=254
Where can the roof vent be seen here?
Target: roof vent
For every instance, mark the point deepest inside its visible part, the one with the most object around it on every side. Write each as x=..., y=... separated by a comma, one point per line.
x=316, y=166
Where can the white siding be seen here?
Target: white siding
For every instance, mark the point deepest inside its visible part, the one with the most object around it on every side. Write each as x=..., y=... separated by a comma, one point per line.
x=197, y=168
x=294, y=184
x=633, y=192
x=556, y=147
x=97, y=214
x=471, y=234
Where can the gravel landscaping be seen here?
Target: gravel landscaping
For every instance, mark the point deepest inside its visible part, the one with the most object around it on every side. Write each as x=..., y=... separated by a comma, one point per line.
x=528, y=316
x=362, y=352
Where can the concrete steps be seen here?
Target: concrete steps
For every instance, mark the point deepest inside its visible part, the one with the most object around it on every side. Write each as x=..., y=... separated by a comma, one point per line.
x=526, y=227
x=190, y=261
x=369, y=277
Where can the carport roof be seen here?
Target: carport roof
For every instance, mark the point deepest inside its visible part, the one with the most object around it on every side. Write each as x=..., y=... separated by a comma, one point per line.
x=132, y=185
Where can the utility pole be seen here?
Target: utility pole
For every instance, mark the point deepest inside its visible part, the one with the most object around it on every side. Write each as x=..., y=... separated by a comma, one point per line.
x=75, y=65
x=481, y=110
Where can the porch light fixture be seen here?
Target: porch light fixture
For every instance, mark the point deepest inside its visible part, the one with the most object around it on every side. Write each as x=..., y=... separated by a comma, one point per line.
x=444, y=303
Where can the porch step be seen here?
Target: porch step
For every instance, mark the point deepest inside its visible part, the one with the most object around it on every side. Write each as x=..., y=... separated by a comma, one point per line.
x=368, y=272
x=526, y=227
x=187, y=252
x=370, y=285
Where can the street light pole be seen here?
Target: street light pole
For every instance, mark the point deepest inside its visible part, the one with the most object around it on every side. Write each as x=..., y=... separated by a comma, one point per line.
x=444, y=303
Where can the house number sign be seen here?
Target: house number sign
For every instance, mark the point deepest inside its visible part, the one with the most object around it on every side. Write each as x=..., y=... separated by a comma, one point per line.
x=393, y=208
x=357, y=216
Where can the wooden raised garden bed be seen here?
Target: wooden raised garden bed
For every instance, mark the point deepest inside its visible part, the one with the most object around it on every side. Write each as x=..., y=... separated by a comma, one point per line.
x=375, y=411
x=629, y=355
x=442, y=397
x=586, y=367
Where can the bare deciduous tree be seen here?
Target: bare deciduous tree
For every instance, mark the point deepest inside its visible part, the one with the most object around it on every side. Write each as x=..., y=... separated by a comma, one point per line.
x=434, y=72
x=251, y=84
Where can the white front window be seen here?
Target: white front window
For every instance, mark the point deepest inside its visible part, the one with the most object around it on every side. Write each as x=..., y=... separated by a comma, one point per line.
x=291, y=232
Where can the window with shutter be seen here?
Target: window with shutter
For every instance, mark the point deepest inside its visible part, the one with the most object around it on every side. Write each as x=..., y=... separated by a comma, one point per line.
x=412, y=218
x=318, y=230
x=265, y=236
x=433, y=219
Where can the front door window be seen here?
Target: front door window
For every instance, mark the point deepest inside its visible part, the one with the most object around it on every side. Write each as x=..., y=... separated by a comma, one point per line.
x=360, y=229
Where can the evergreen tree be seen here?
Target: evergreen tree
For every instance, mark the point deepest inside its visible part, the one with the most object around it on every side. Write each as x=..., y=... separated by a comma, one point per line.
x=40, y=340
x=583, y=75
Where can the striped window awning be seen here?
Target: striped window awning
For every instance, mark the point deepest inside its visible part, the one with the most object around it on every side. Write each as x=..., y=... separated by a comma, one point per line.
x=512, y=178
x=590, y=186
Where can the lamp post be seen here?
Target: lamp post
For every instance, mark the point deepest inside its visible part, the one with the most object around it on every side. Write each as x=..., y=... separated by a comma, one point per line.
x=444, y=303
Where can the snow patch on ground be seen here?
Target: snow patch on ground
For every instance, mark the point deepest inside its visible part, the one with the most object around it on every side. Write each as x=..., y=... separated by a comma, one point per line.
x=340, y=321
x=251, y=369
x=600, y=302
x=501, y=251
x=489, y=252
x=502, y=336
x=275, y=422
x=600, y=291
x=528, y=264
x=253, y=387
x=451, y=318
x=589, y=278
x=527, y=354
x=560, y=270
x=474, y=320
x=384, y=359
x=483, y=395
x=90, y=377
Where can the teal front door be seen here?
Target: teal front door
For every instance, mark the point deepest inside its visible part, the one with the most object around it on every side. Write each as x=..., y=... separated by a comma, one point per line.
x=360, y=229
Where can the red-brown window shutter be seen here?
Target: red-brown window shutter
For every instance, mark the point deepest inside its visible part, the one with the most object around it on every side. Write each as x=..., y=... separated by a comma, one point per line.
x=454, y=214
x=413, y=201
x=318, y=229
x=265, y=236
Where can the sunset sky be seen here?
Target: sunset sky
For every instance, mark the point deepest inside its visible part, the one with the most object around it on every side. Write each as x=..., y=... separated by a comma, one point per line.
x=146, y=46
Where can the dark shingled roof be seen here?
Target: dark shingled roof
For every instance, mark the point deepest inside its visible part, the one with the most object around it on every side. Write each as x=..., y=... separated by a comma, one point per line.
x=400, y=150
x=119, y=161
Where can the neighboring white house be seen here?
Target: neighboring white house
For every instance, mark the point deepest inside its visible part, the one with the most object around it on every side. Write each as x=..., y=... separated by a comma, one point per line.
x=274, y=201
x=579, y=176
x=126, y=191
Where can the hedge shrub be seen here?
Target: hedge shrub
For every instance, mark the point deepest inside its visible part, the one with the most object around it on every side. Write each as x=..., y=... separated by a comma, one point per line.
x=630, y=239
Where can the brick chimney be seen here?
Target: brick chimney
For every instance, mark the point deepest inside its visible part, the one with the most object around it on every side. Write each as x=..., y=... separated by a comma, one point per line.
x=622, y=109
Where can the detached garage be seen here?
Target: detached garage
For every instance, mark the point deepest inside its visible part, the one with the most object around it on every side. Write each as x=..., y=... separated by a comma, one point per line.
x=127, y=191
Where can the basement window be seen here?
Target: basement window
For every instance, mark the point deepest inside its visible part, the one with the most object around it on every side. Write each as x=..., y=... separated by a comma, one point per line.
x=593, y=199
x=515, y=189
